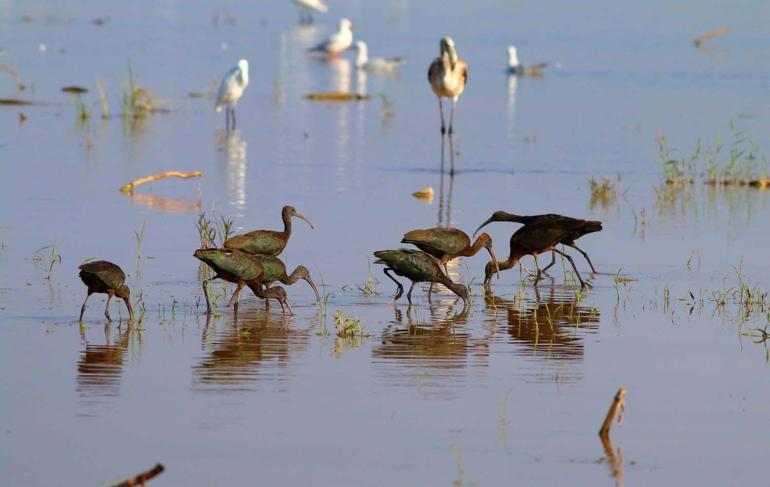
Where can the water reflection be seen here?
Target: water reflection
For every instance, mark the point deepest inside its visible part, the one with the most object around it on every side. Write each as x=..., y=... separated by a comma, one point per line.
x=548, y=329
x=232, y=151
x=100, y=366
x=613, y=458
x=245, y=349
x=429, y=352
x=445, y=202
x=512, y=85
x=166, y=205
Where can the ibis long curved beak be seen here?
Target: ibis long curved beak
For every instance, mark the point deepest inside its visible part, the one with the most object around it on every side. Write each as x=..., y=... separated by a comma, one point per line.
x=315, y=289
x=494, y=259
x=304, y=218
x=490, y=220
x=130, y=309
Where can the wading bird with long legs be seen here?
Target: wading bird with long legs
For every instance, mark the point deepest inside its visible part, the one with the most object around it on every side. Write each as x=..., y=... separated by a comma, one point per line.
x=447, y=76
x=267, y=242
x=102, y=276
x=537, y=237
x=231, y=89
x=582, y=227
x=416, y=266
x=275, y=270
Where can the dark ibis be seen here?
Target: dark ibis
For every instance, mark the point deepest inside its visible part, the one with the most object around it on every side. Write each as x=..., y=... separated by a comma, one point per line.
x=105, y=277
x=267, y=242
x=447, y=244
x=275, y=270
x=416, y=266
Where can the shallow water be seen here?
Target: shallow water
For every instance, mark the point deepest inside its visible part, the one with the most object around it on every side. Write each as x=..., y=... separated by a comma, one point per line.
x=517, y=387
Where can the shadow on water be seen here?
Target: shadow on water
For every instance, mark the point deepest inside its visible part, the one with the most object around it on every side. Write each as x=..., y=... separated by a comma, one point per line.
x=548, y=327
x=100, y=366
x=430, y=352
x=243, y=349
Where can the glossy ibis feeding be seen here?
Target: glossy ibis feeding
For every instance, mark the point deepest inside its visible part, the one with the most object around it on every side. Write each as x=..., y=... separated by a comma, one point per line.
x=267, y=242
x=540, y=236
x=417, y=267
x=447, y=76
x=447, y=244
x=105, y=277
x=275, y=270
x=582, y=227
x=239, y=268
x=231, y=89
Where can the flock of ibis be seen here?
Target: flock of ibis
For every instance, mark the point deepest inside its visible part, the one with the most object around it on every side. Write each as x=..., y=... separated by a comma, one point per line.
x=251, y=260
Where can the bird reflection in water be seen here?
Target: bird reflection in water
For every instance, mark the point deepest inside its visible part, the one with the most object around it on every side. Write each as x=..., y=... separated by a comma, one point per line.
x=232, y=152
x=166, y=205
x=100, y=367
x=245, y=349
x=512, y=85
x=551, y=328
x=436, y=350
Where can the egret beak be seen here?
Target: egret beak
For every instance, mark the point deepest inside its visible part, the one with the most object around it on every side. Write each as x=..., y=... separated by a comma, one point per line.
x=315, y=290
x=490, y=220
x=494, y=259
x=304, y=218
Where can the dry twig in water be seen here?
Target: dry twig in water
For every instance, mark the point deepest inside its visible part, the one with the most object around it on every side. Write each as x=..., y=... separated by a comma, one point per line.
x=142, y=478
x=129, y=187
x=710, y=35
x=618, y=403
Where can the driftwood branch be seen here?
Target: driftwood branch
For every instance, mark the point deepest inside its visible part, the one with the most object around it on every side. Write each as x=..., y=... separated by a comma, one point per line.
x=760, y=183
x=710, y=35
x=142, y=478
x=618, y=403
x=129, y=187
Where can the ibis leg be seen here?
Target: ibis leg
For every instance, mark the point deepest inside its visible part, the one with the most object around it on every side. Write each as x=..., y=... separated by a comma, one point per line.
x=83, y=308
x=400, y=289
x=236, y=297
x=107, y=308
x=584, y=255
x=553, y=261
x=206, y=294
x=409, y=294
x=583, y=284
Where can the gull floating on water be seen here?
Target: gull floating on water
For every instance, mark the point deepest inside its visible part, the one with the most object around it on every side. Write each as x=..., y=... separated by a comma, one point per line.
x=231, y=89
x=448, y=75
x=340, y=41
x=306, y=8
x=378, y=64
x=515, y=67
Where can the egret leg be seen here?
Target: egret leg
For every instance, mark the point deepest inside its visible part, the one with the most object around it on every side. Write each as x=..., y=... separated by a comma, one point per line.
x=206, y=294
x=409, y=294
x=553, y=261
x=441, y=114
x=452, y=117
x=107, y=308
x=83, y=308
x=400, y=289
x=584, y=255
x=583, y=284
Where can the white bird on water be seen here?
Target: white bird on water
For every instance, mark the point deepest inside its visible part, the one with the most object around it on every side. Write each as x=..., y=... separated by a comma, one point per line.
x=515, y=67
x=231, y=89
x=378, y=64
x=306, y=8
x=447, y=76
x=337, y=42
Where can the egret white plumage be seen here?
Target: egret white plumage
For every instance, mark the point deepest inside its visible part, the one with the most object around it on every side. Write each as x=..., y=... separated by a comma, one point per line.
x=447, y=76
x=231, y=89
x=515, y=67
x=340, y=41
x=306, y=8
x=378, y=64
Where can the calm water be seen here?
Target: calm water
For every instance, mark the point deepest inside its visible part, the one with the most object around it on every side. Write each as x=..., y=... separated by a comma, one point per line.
x=514, y=389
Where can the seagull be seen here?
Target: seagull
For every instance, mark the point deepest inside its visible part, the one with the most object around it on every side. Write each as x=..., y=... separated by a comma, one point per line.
x=231, y=89
x=379, y=64
x=340, y=41
x=448, y=75
x=515, y=67
x=307, y=7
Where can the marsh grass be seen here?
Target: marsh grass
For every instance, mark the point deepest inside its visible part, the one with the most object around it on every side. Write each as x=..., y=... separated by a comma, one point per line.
x=137, y=101
x=349, y=333
x=82, y=108
x=370, y=287
x=53, y=258
x=103, y=102
x=737, y=164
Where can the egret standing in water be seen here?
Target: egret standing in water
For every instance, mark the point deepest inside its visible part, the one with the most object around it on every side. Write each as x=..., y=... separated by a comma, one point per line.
x=448, y=75
x=337, y=42
x=231, y=89
x=306, y=8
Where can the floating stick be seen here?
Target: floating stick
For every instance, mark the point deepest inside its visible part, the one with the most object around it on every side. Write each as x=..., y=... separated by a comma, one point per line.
x=618, y=403
x=143, y=477
x=710, y=35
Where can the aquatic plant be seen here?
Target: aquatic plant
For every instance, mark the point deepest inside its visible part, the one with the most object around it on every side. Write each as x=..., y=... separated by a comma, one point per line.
x=103, y=102
x=82, y=108
x=53, y=258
